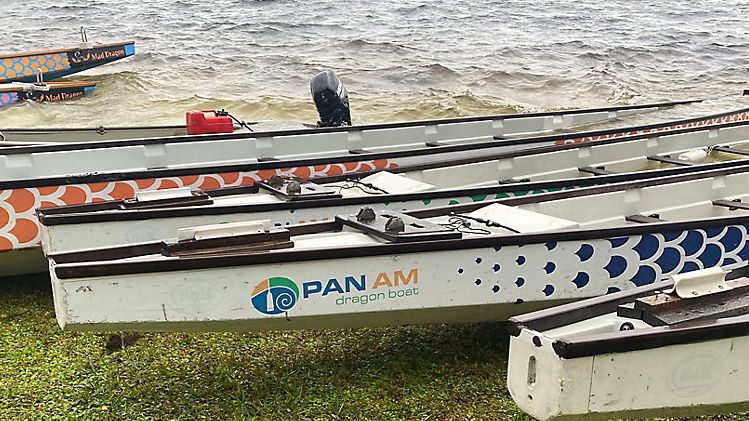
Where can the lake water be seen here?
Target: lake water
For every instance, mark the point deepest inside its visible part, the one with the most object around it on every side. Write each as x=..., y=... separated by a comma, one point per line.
x=401, y=59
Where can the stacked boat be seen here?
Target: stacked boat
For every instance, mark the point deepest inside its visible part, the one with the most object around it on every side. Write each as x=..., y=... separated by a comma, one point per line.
x=452, y=220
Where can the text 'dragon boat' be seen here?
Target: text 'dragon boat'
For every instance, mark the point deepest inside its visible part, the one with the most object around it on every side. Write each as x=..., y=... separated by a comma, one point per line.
x=477, y=262
x=674, y=348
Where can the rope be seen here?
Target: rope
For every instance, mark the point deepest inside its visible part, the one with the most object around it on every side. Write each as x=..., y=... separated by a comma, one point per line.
x=356, y=184
x=241, y=123
x=488, y=222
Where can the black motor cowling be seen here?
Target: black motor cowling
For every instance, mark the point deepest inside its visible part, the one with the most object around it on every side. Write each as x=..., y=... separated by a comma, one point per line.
x=331, y=100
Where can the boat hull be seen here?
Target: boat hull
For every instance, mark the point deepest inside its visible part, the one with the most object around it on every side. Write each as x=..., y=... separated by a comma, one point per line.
x=679, y=380
x=54, y=64
x=248, y=294
x=58, y=91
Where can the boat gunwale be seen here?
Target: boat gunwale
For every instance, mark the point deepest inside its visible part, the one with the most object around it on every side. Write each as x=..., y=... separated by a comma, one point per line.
x=52, y=85
x=32, y=130
x=111, y=175
x=69, y=146
x=75, y=265
x=652, y=337
x=110, y=211
x=63, y=50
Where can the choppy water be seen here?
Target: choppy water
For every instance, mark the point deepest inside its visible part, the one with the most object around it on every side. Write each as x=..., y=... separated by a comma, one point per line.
x=400, y=59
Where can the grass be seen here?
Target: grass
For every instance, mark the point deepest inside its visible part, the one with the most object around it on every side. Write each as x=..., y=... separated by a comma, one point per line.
x=418, y=372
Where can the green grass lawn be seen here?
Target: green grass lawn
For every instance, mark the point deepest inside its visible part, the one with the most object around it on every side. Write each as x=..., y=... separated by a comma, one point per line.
x=419, y=372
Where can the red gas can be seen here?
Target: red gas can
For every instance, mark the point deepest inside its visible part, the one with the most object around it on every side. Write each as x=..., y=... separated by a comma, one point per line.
x=205, y=122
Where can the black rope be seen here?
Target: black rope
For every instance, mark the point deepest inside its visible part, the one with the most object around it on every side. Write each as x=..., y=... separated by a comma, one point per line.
x=241, y=123
x=356, y=184
x=461, y=225
x=487, y=222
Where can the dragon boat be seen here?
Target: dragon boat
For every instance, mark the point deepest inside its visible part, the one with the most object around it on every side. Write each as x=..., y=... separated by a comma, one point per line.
x=56, y=63
x=672, y=348
x=13, y=93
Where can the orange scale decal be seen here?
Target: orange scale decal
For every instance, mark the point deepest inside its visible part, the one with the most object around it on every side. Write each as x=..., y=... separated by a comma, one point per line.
x=380, y=163
x=25, y=230
x=122, y=191
x=46, y=191
x=73, y=195
x=335, y=169
x=168, y=184
x=247, y=180
x=97, y=187
x=266, y=174
x=5, y=244
x=350, y=166
x=230, y=177
x=189, y=180
x=47, y=204
x=210, y=183
x=4, y=217
x=302, y=172
x=22, y=200
x=145, y=183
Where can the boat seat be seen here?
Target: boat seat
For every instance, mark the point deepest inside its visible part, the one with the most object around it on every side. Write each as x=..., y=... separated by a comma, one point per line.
x=644, y=219
x=731, y=204
x=596, y=170
x=669, y=160
x=728, y=149
x=522, y=221
x=397, y=184
x=228, y=239
x=666, y=308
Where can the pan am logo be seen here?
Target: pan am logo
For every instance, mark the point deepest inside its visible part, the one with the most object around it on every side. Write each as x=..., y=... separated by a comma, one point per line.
x=275, y=295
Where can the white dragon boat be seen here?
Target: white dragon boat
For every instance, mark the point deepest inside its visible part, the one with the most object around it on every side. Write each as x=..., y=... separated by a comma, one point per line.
x=155, y=215
x=57, y=175
x=674, y=348
x=466, y=263
x=507, y=125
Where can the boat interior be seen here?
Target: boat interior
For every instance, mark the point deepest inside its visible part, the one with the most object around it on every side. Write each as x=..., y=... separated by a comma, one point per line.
x=705, y=304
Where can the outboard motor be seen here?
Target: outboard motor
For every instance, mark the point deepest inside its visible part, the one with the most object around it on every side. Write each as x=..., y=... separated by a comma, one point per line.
x=331, y=100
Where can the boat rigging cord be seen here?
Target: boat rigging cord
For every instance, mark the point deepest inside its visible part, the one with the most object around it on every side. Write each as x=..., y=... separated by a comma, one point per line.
x=462, y=223
x=357, y=184
x=223, y=113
